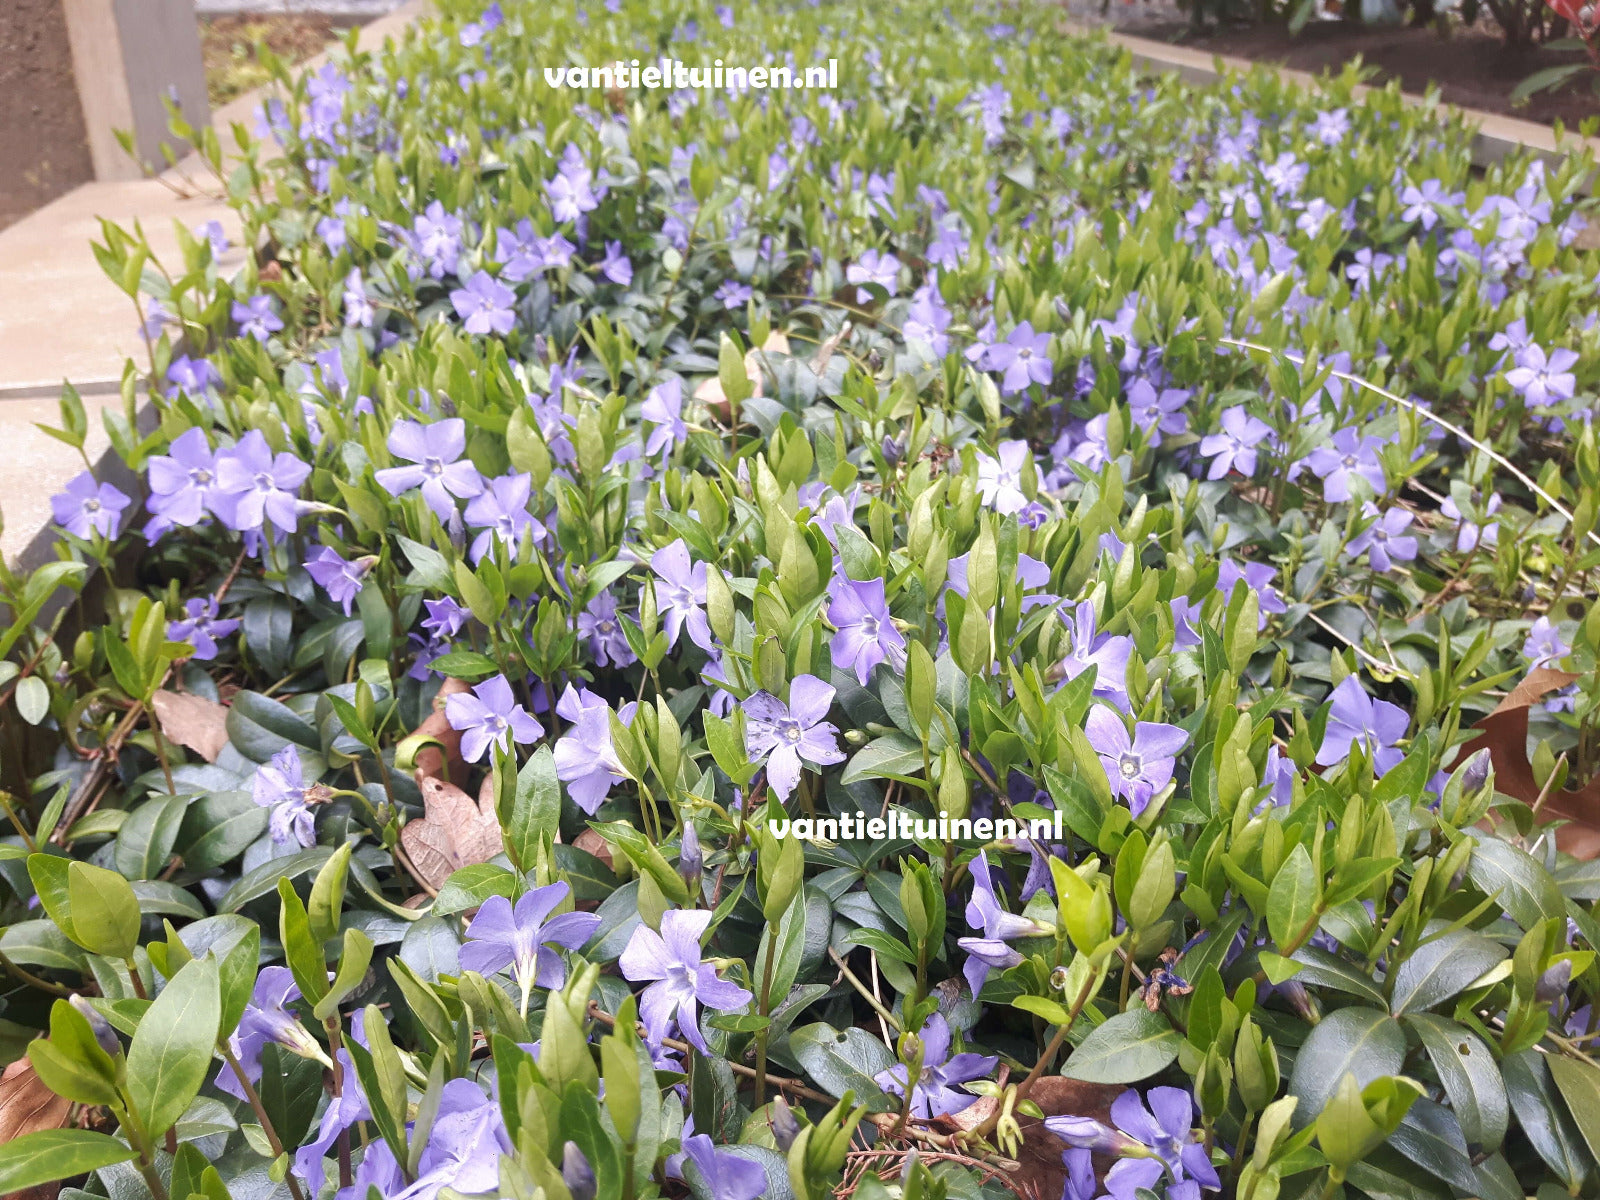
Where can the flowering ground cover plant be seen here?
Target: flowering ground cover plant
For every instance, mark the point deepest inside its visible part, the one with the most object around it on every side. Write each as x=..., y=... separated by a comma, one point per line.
x=1010, y=629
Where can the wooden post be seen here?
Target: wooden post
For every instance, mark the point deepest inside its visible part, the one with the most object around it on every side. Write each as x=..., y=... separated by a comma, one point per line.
x=129, y=56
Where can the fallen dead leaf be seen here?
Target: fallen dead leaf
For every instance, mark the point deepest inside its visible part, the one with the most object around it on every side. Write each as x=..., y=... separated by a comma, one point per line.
x=1042, y=1173
x=453, y=832
x=1504, y=733
x=193, y=721
x=27, y=1106
x=592, y=843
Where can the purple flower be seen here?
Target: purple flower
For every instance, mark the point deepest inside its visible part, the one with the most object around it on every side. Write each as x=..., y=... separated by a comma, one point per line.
x=1354, y=717
x=200, y=627
x=85, y=508
x=280, y=787
x=1470, y=533
x=1138, y=768
x=1385, y=539
x=436, y=235
x=1158, y=1141
x=935, y=1094
x=1257, y=578
x=732, y=294
x=254, y=485
x=1185, y=633
x=663, y=409
x=521, y=938
x=340, y=579
x=681, y=982
x=489, y=714
x=727, y=1174
x=607, y=641
x=266, y=1020
x=615, y=265
x=484, y=304
x=1543, y=380
x=195, y=376
x=1000, y=478
x=571, y=192
x=439, y=469
x=463, y=1152
x=874, y=267
x=1023, y=358
x=501, y=513
x=985, y=914
x=257, y=317
x=358, y=310
x=927, y=319
x=1105, y=652
x=1234, y=448
x=1544, y=645
x=680, y=590
x=445, y=617
x=183, y=482
x=792, y=732
x=866, y=634
x=1349, y=455
x=1158, y=414
x=586, y=761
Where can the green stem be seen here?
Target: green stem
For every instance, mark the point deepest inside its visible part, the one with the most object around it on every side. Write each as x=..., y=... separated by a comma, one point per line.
x=877, y=1005
x=762, y=1008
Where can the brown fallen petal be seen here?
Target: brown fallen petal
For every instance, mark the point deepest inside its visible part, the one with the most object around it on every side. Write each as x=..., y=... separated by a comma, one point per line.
x=1504, y=733
x=709, y=391
x=27, y=1106
x=453, y=833
x=193, y=721
x=592, y=843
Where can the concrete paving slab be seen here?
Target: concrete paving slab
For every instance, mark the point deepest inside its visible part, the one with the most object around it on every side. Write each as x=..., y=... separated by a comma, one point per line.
x=342, y=10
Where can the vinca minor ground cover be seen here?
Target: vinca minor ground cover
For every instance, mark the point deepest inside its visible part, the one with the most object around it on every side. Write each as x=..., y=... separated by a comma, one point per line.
x=1001, y=628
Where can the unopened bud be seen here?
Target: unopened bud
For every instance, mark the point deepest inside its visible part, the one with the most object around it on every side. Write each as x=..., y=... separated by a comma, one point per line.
x=691, y=859
x=785, y=1127
x=576, y=1173
x=1553, y=982
x=103, y=1033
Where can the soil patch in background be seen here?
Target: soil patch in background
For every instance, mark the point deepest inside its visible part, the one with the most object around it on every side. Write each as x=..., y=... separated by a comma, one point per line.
x=43, y=149
x=1471, y=66
x=229, y=44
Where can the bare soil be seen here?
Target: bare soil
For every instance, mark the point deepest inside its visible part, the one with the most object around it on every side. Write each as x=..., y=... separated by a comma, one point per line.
x=43, y=149
x=1470, y=65
x=230, y=46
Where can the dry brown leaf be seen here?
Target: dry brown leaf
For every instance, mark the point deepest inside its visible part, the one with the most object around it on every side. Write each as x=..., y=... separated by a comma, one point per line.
x=454, y=832
x=592, y=843
x=193, y=721
x=27, y=1106
x=1504, y=733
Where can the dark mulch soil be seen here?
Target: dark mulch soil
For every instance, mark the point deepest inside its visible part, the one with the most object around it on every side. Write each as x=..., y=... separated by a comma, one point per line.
x=43, y=150
x=1470, y=66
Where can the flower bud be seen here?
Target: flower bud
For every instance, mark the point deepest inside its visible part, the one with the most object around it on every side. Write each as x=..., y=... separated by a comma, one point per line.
x=691, y=859
x=1553, y=982
x=107, y=1036
x=576, y=1173
x=785, y=1127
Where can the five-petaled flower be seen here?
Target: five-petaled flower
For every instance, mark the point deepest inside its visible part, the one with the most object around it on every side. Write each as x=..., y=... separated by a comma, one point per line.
x=1354, y=717
x=1138, y=767
x=679, y=981
x=490, y=715
x=936, y=1091
x=784, y=734
x=522, y=938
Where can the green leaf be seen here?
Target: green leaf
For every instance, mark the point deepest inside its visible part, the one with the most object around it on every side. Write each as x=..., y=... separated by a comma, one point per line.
x=471, y=886
x=1292, y=899
x=171, y=1053
x=535, y=818
x=1579, y=1083
x=1470, y=1075
x=353, y=964
x=33, y=699
x=265, y=878
x=1125, y=1049
x=1542, y=1115
x=105, y=910
x=1322, y=969
x=50, y=883
x=52, y=1154
x=146, y=838
x=1442, y=968
x=883, y=943
x=218, y=827
x=892, y=756
x=1524, y=888
x=1362, y=1042
x=303, y=952
x=465, y=664
x=843, y=1060
x=644, y=855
